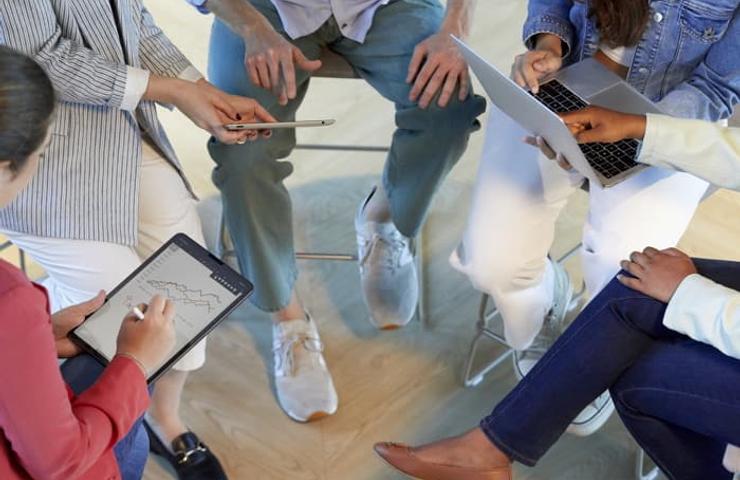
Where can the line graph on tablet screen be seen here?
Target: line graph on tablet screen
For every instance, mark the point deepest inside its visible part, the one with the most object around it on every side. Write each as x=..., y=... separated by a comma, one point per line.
x=180, y=293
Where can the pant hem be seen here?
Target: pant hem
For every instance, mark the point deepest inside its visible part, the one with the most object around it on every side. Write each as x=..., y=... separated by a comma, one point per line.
x=504, y=447
x=291, y=281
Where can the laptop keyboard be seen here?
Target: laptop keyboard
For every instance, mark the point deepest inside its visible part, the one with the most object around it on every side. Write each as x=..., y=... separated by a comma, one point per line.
x=609, y=159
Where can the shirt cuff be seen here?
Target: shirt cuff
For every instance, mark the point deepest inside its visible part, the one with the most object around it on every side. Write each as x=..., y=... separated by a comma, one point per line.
x=651, y=139
x=190, y=74
x=200, y=5
x=137, y=81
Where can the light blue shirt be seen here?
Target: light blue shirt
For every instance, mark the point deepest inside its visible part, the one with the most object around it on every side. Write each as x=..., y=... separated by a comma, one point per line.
x=303, y=17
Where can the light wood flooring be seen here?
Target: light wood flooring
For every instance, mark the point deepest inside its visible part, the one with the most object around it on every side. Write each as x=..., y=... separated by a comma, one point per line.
x=403, y=385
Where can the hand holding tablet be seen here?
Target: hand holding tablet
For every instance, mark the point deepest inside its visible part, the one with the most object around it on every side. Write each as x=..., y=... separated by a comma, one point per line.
x=191, y=292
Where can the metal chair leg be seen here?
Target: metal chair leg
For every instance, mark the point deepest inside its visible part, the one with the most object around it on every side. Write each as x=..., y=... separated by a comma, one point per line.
x=640, y=473
x=418, y=251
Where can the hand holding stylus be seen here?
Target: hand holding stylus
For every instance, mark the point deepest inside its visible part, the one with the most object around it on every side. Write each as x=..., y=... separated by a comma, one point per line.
x=148, y=341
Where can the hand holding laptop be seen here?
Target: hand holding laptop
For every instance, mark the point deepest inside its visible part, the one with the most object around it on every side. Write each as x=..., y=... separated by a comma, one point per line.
x=594, y=125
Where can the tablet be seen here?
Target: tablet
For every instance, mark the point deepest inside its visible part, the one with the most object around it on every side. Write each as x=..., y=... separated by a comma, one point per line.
x=203, y=288
x=235, y=127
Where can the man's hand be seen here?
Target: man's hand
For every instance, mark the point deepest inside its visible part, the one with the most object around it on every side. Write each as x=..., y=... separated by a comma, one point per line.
x=596, y=124
x=437, y=63
x=530, y=67
x=657, y=273
x=65, y=320
x=271, y=61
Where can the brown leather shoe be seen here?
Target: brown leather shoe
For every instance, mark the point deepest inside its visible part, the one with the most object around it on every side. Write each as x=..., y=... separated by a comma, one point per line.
x=402, y=458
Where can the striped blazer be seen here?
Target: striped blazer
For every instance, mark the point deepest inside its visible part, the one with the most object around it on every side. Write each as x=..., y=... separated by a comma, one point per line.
x=88, y=181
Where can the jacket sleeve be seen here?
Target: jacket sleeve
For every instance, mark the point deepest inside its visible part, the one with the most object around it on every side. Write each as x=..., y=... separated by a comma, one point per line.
x=707, y=150
x=79, y=74
x=714, y=85
x=549, y=16
x=56, y=437
x=707, y=312
x=159, y=55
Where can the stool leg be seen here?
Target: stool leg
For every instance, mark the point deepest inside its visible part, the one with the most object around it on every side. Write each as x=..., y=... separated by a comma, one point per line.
x=418, y=251
x=471, y=378
x=640, y=473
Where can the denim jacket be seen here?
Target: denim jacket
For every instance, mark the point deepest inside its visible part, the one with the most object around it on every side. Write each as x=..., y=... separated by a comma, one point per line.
x=688, y=60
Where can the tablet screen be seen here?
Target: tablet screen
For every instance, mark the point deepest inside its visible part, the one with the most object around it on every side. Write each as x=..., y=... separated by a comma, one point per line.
x=200, y=295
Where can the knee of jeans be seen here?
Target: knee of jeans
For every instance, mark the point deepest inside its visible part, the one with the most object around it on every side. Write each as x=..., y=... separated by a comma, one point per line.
x=500, y=273
x=451, y=123
x=248, y=164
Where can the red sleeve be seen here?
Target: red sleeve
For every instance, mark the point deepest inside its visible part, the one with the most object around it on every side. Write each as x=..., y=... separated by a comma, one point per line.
x=56, y=437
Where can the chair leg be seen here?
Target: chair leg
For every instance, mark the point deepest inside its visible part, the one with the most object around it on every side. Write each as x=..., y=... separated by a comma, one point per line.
x=418, y=251
x=640, y=473
x=484, y=332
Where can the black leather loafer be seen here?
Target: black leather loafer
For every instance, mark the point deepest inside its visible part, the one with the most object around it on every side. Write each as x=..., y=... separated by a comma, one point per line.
x=192, y=459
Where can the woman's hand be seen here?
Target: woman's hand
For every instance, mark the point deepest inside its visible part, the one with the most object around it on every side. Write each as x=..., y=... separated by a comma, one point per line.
x=596, y=124
x=548, y=152
x=531, y=67
x=65, y=320
x=150, y=340
x=209, y=108
x=656, y=273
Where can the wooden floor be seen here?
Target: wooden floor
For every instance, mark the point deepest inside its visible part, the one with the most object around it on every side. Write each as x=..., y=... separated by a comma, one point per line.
x=403, y=385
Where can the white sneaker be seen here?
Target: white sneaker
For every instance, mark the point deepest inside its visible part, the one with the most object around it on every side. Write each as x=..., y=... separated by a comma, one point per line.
x=390, y=284
x=593, y=417
x=552, y=327
x=305, y=389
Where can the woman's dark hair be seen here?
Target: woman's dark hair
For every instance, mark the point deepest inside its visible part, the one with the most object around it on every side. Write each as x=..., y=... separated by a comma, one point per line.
x=621, y=23
x=26, y=107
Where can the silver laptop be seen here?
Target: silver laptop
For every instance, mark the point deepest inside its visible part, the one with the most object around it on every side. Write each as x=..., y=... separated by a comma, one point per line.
x=572, y=88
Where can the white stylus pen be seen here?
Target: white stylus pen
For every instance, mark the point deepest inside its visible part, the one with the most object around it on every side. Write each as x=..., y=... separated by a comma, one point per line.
x=138, y=313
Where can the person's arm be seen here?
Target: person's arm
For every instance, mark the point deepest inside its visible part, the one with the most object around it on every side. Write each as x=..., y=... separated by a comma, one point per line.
x=707, y=312
x=714, y=85
x=55, y=437
x=697, y=307
x=707, y=150
x=549, y=17
x=159, y=55
x=437, y=66
x=270, y=60
x=79, y=74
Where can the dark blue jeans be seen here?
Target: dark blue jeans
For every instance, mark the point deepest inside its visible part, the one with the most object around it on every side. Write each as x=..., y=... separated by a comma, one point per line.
x=131, y=451
x=679, y=398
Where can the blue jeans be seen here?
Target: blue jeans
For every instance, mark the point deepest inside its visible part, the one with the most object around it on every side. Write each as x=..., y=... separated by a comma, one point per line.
x=131, y=451
x=679, y=398
x=426, y=145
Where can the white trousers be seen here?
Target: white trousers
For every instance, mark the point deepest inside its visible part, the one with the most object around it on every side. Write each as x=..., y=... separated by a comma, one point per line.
x=518, y=196
x=78, y=269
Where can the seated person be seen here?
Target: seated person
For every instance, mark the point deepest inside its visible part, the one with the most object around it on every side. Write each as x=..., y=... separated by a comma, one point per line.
x=666, y=333
x=112, y=190
x=403, y=50
x=675, y=54
x=46, y=432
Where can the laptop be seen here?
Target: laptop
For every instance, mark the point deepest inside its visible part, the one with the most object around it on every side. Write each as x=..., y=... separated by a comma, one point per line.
x=572, y=88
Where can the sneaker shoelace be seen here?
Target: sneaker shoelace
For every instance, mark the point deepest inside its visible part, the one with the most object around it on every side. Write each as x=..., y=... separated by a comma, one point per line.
x=286, y=351
x=395, y=243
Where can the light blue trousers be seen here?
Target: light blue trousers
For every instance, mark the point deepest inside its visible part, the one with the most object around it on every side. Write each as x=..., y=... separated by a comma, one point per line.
x=426, y=144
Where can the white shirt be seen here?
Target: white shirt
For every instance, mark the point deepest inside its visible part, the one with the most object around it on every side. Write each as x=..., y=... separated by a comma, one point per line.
x=700, y=308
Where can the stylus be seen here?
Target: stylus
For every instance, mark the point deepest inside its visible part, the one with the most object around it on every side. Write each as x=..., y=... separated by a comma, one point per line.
x=138, y=313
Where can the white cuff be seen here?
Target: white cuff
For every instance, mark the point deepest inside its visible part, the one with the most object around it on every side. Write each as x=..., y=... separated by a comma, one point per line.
x=190, y=74
x=651, y=140
x=137, y=81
